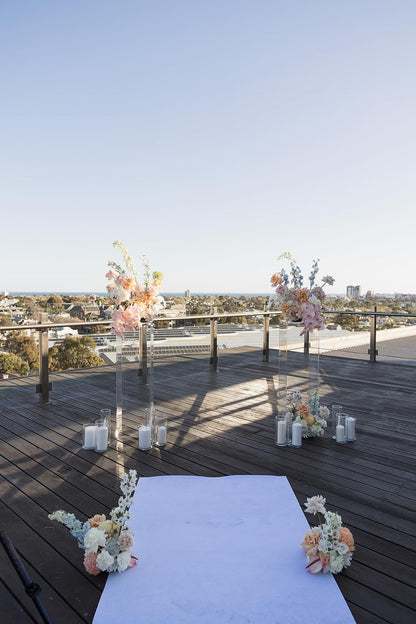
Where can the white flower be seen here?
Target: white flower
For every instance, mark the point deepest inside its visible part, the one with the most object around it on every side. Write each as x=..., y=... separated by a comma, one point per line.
x=336, y=563
x=93, y=539
x=123, y=561
x=104, y=560
x=333, y=520
x=341, y=548
x=316, y=504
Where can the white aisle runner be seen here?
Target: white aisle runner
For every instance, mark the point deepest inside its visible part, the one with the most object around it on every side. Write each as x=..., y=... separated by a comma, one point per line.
x=221, y=550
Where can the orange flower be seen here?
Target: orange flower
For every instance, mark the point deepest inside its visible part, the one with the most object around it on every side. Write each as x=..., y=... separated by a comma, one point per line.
x=303, y=410
x=275, y=279
x=287, y=309
x=96, y=520
x=345, y=536
x=302, y=295
x=311, y=541
x=127, y=282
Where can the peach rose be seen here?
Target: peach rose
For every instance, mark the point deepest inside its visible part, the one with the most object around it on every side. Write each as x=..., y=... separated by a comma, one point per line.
x=302, y=295
x=275, y=279
x=345, y=536
x=303, y=410
x=96, y=520
x=310, y=542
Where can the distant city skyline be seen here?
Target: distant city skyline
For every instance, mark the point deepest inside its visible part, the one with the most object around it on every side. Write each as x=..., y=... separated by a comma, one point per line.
x=211, y=136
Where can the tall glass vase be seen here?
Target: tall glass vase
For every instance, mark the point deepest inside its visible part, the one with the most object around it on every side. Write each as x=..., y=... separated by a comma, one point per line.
x=313, y=367
x=282, y=382
x=134, y=375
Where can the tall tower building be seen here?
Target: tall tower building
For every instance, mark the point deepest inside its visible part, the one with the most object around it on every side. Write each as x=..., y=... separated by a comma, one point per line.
x=354, y=292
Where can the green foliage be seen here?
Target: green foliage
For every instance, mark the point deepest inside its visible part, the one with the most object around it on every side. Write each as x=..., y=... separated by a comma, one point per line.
x=5, y=320
x=25, y=347
x=13, y=364
x=346, y=321
x=54, y=304
x=74, y=353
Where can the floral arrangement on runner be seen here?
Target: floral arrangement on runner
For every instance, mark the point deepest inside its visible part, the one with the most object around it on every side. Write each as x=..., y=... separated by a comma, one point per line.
x=297, y=302
x=328, y=546
x=135, y=301
x=312, y=416
x=108, y=543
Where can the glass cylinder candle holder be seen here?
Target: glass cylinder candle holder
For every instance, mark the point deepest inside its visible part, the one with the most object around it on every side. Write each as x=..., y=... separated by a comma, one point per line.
x=146, y=434
x=350, y=428
x=340, y=428
x=105, y=414
x=161, y=429
x=336, y=409
x=89, y=436
x=101, y=436
x=281, y=431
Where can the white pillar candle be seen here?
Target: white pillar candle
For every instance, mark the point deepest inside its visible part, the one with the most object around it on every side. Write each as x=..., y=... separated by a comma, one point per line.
x=350, y=424
x=101, y=439
x=89, y=437
x=161, y=435
x=340, y=433
x=296, y=434
x=145, y=438
x=281, y=432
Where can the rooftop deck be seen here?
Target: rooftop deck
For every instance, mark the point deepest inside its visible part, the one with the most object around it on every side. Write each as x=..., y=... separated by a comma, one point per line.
x=219, y=424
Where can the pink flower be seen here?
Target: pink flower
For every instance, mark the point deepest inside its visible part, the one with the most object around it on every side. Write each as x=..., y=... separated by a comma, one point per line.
x=133, y=562
x=90, y=564
x=118, y=321
x=315, y=566
x=111, y=274
x=131, y=317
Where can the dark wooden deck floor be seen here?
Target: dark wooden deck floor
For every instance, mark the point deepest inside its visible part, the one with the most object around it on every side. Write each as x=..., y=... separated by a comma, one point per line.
x=219, y=424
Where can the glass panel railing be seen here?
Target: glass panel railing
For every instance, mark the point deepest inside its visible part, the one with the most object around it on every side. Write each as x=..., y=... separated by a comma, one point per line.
x=397, y=345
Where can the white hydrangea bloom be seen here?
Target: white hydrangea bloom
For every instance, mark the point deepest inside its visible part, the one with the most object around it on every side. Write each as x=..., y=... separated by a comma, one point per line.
x=336, y=563
x=104, y=560
x=123, y=561
x=93, y=539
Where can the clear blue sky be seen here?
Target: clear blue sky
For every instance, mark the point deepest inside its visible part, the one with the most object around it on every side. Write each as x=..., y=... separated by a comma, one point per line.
x=210, y=134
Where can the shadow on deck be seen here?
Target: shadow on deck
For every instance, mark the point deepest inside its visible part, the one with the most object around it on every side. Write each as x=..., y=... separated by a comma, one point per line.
x=219, y=424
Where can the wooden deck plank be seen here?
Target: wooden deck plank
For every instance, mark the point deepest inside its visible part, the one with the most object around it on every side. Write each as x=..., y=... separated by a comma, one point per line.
x=219, y=424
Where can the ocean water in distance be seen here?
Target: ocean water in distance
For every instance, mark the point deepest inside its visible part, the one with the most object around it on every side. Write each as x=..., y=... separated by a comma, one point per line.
x=44, y=293
x=164, y=294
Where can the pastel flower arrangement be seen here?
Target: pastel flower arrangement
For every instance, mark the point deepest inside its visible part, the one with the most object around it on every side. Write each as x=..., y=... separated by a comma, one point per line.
x=312, y=416
x=108, y=543
x=328, y=546
x=134, y=301
x=297, y=302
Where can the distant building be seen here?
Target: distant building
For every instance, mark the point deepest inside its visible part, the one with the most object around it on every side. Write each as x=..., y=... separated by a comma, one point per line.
x=84, y=311
x=188, y=294
x=370, y=294
x=354, y=292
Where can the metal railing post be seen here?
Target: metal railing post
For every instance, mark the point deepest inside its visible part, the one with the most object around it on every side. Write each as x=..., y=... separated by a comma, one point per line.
x=143, y=352
x=266, y=337
x=44, y=385
x=373, y=352
x=306, y=343
x=213, y=361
